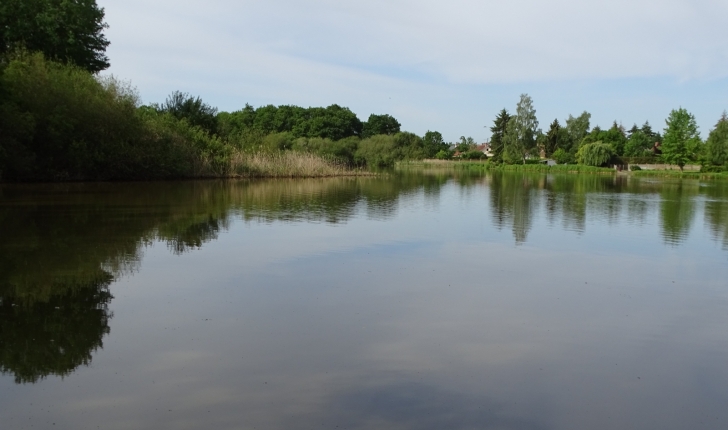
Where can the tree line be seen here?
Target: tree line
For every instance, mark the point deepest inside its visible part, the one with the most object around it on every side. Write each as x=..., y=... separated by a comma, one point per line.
x=59, y=120
x=517, y=137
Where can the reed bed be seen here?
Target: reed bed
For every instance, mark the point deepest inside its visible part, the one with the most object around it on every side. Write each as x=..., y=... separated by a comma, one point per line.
x=289, y=164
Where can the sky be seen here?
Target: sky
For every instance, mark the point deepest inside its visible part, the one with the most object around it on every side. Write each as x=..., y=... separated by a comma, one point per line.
x=434, y=65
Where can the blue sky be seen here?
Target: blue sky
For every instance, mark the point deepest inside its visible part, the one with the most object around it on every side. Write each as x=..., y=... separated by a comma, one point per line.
x=446, y=66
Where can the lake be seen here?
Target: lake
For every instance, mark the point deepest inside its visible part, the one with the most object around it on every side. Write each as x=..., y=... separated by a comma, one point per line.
x=433, y=300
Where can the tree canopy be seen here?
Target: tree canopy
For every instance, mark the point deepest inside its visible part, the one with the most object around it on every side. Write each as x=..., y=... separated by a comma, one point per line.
x=717, y=143
x=520, y=137
x=380, y=124
x=682, y=140
x=498, y=130
x=63, y=30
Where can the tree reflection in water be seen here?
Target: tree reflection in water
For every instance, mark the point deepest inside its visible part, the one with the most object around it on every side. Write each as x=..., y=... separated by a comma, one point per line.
x=63, y=245
x=55, y=336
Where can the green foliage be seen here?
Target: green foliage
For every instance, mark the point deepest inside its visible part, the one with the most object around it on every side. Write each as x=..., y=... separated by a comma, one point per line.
x=343, y=150
x=473, y=155
x=681, y=142
x=66, y=31
x=595, y=154
x=443, y=154
x=61, y=122
x=378, y=151
x=520, y=136
x=576, y=130
x=334, y=122
x=561, y=156
x=433, y=144
x=614, y=136
x=466, y=144
x=717, y=143
x=380, y=124
x=552, y=139
x=498, y=130
x=192, y=109
x=639, y=143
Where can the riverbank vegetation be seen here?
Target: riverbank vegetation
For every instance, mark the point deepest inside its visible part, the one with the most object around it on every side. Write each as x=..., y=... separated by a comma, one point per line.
x=62, y=121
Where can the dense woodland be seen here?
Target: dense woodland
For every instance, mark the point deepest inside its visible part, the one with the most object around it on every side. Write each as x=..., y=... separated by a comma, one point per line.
x=61, y=120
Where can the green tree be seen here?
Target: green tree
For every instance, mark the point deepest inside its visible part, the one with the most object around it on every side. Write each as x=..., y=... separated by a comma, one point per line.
x=193, y=109
x=380, y=124
x=682, y=140
x=63, y=30
x=614, y=136
x=433, y=143
x=520, y=137
x=498, y=130
x=333, y=122
x=640, y=141
x=552, y=139
x=595, y=154
x=576, y=130
x=717, y=143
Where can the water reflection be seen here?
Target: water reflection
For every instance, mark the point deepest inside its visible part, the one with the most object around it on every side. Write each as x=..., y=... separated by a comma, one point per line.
x=63, y=245
x=677, y=210
x=56, y=335
x=514, y=201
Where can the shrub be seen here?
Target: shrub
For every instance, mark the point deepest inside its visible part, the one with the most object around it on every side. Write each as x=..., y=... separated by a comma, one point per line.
x=443, y=154
x=61, y=122
x=473, y=155
x=563, y=157
x=378, y=151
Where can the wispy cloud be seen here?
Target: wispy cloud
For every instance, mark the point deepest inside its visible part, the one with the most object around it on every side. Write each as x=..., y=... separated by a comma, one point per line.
x=456, y=61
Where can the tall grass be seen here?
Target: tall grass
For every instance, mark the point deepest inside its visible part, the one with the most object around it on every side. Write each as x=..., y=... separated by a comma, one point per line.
x=288, y=164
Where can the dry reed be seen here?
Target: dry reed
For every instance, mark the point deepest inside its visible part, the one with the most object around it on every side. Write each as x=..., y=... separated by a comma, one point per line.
x=288, y=164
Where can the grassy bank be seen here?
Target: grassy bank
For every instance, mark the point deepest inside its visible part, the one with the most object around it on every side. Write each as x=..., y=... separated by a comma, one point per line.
x=487, y=166
x=562, y=168
x=679, y=174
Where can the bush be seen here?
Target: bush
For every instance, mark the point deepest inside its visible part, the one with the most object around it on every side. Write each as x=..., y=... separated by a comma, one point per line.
x=713, y=169
x=563, y=157
x=378, y=151
x=61, y=122
x=443, y=154
x=473, y=155
x=634, y=167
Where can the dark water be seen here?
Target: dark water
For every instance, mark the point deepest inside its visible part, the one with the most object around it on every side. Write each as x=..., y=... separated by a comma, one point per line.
x=412, y=302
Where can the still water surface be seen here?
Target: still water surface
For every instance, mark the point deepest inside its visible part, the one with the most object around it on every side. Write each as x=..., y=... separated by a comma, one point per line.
x=409, y=302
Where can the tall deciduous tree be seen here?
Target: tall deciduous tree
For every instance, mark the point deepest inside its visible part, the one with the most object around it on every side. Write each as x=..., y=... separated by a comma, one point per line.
x=520, y=136
x=433, y=143
x=498, y=130
x=682, y=140
x=380, y=124
x=717, y=143
x=576, y=130
x=63, y=30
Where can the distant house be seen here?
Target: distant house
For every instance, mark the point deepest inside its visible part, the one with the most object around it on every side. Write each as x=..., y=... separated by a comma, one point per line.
x=656, y=148
x=485, y=149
